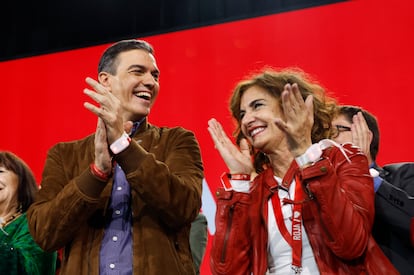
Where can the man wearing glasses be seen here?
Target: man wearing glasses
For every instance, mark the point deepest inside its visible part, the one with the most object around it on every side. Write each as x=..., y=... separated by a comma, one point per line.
x=393, y=184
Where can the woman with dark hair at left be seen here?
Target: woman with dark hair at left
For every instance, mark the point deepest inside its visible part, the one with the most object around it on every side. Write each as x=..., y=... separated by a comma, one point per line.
x=19, y=254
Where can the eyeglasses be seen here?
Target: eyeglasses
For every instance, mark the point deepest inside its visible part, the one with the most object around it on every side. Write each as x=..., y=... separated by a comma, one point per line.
x=337, y=129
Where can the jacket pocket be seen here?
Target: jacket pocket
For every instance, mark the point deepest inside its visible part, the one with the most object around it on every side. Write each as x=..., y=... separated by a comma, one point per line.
x=231, y=242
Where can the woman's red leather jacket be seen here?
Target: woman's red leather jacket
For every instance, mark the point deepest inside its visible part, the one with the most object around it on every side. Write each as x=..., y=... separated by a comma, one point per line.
x=337, y=215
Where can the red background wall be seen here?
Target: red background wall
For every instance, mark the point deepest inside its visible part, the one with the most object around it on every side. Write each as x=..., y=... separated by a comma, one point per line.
x=361, y=51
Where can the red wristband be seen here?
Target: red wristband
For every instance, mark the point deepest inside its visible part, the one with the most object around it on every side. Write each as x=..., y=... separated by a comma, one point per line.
x=98, y=173
x=238, y=176
x=226, y=177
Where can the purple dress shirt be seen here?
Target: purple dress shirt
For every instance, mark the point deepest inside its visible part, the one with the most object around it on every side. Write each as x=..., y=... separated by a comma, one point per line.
x=116, y=248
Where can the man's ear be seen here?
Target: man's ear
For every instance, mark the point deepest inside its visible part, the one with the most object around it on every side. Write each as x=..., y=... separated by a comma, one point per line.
x=104, y=79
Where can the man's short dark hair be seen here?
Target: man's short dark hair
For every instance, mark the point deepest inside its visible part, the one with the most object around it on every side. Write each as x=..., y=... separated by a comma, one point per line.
x=108, y=63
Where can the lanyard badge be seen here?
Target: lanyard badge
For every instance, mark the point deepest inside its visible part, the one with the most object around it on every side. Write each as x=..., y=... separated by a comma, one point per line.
x=294, y=239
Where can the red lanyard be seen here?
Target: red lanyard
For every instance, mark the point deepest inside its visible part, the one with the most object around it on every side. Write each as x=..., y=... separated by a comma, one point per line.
x=294, y=239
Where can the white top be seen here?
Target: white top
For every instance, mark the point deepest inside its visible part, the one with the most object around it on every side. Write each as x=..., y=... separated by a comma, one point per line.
x=279, y=251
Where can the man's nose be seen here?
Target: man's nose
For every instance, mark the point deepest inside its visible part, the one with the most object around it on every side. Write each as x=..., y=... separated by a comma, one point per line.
x=149, y=80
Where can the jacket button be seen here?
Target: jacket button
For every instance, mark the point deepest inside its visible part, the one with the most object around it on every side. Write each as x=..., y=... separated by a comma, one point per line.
x=323, y=169
x=217, y=193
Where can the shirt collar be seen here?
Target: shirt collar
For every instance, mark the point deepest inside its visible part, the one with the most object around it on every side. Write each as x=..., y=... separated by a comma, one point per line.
x=135, y=126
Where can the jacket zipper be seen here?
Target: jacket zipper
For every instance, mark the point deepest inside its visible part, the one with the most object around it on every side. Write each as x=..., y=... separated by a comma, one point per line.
x=226, y=236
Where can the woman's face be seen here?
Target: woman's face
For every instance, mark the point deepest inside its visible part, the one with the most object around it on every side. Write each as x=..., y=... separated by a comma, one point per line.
x=9, y=182
x=258, y=110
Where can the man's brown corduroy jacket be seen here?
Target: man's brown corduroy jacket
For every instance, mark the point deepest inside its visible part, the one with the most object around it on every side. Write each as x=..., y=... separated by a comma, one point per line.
x=164, y=169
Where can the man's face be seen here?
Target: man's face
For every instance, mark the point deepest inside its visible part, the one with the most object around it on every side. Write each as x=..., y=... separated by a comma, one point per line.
x=343, y=129
x=135, y=83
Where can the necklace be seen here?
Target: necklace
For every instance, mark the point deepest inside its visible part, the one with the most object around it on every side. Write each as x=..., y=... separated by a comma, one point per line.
x=4, y=222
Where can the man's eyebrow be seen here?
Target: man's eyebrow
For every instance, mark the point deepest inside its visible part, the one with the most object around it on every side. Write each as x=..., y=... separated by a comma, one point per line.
x=141, y=67
x=136, y=66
